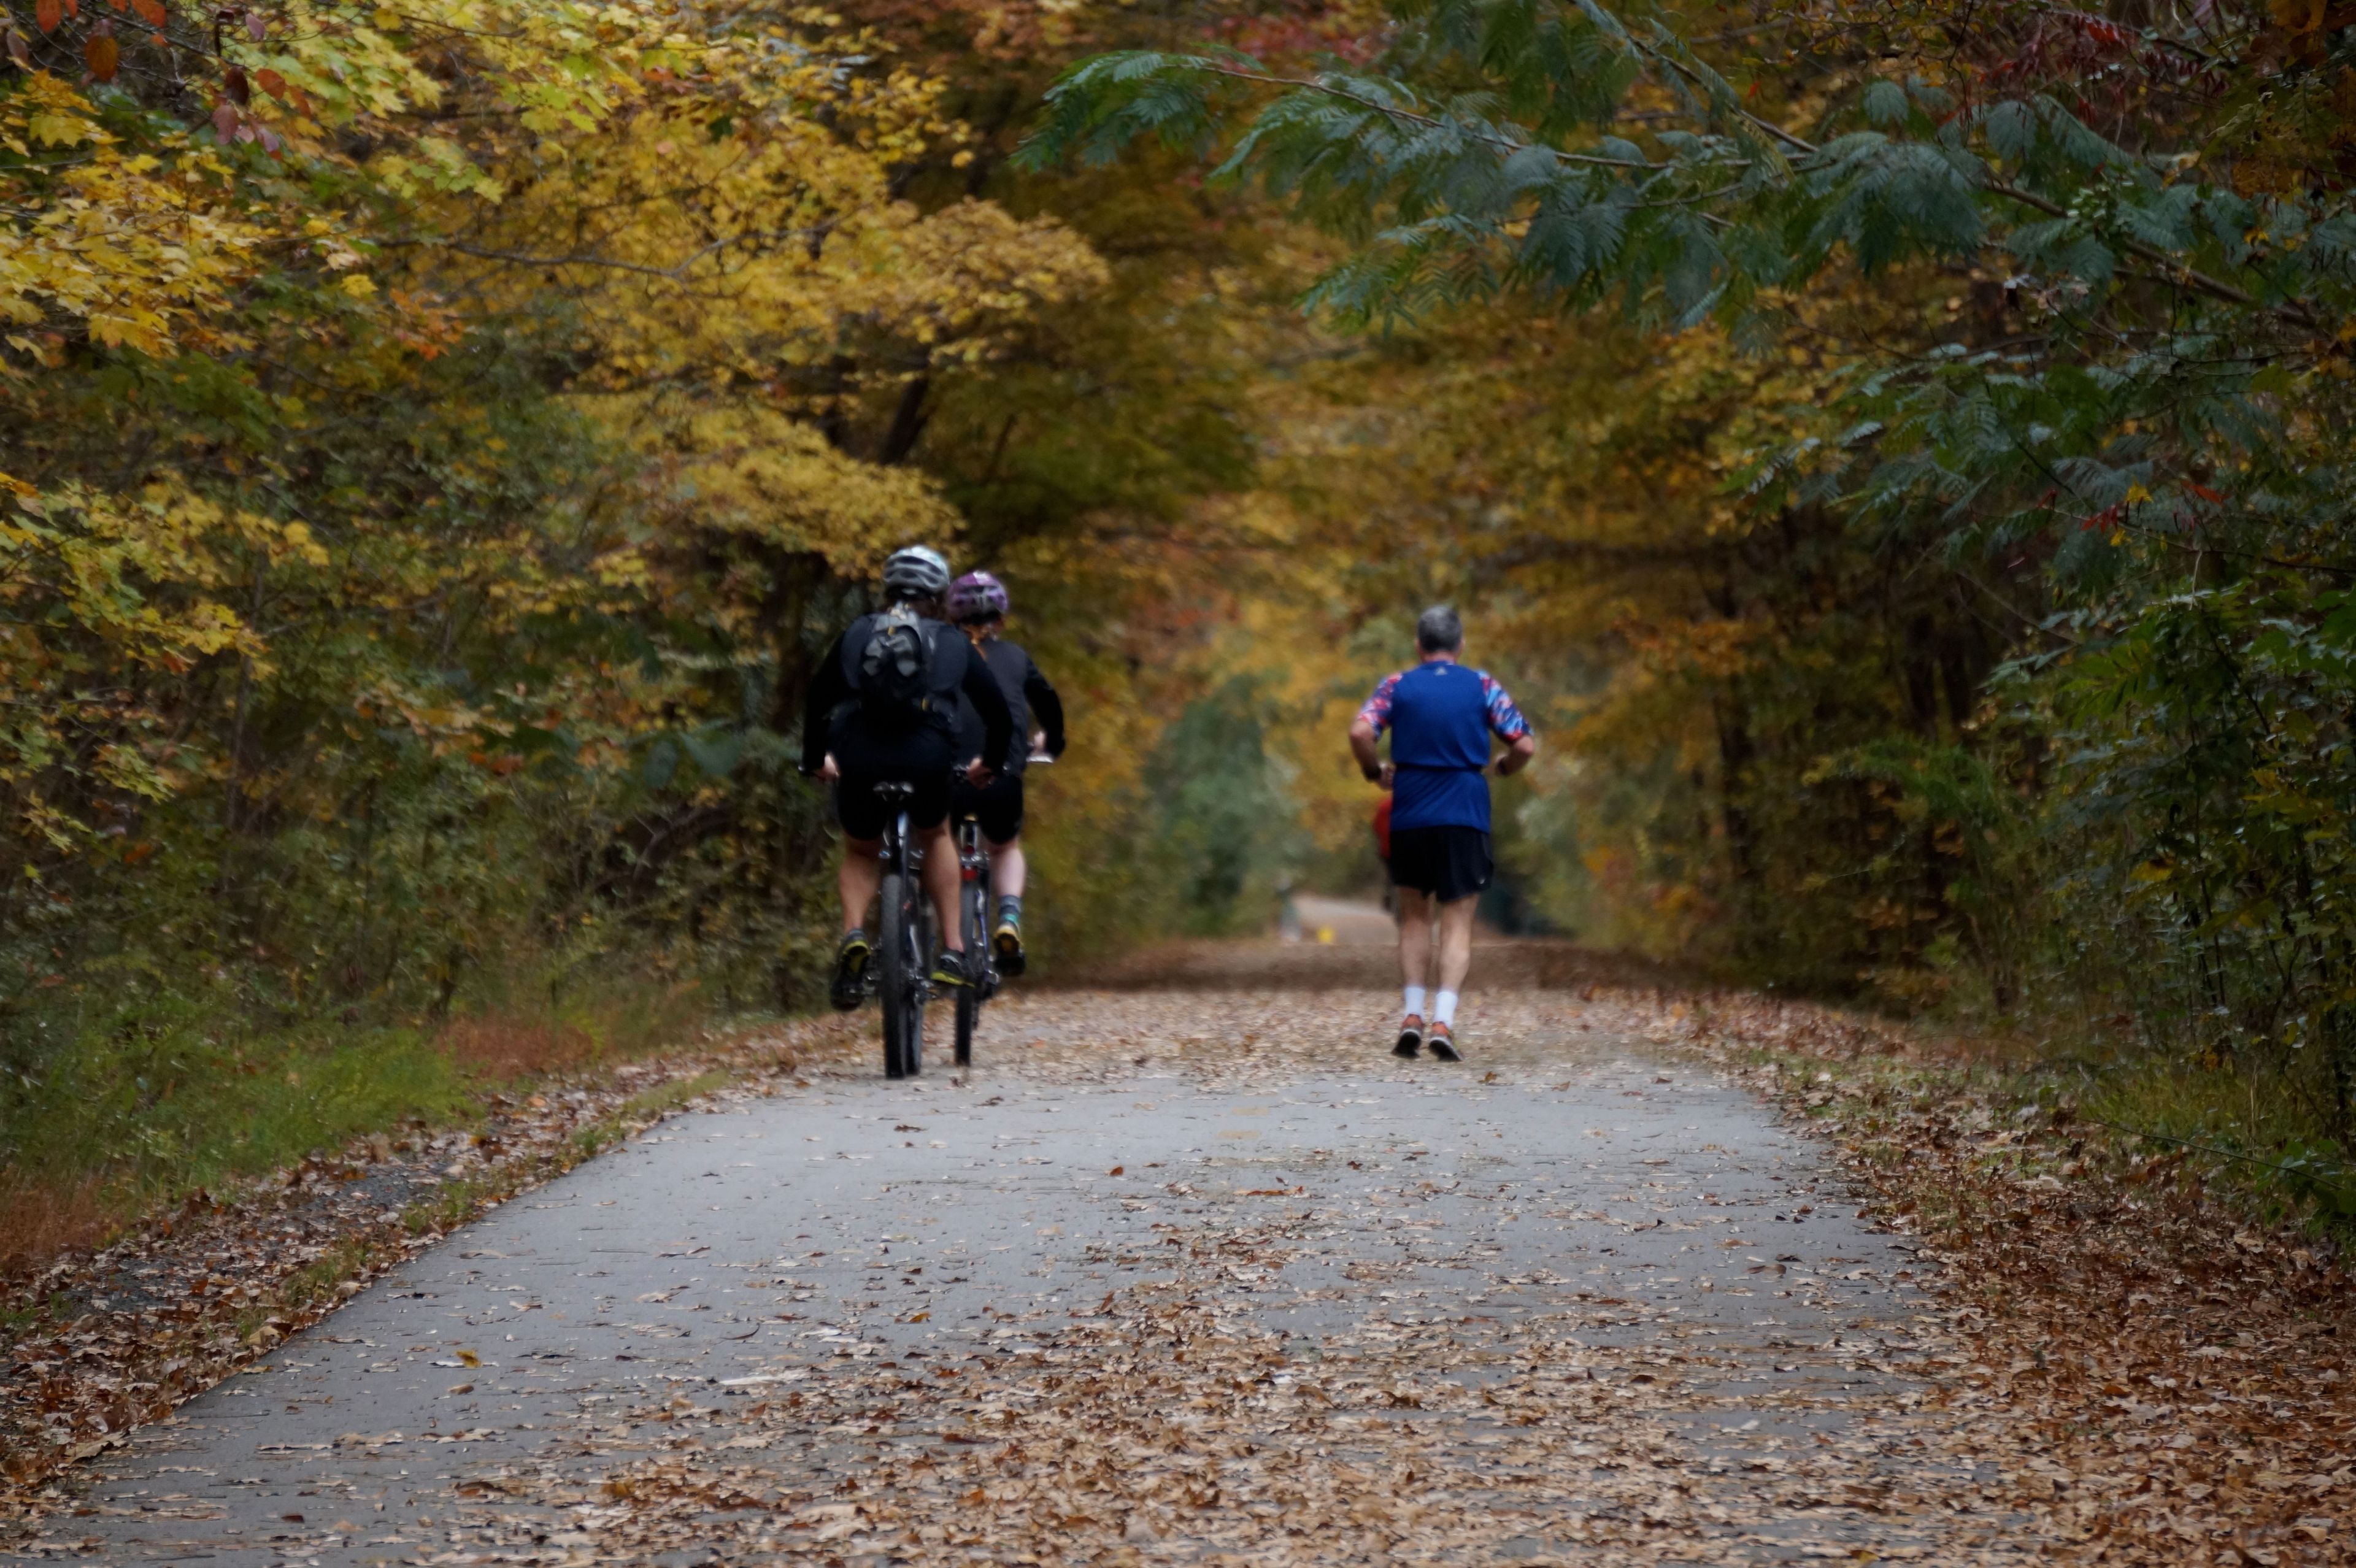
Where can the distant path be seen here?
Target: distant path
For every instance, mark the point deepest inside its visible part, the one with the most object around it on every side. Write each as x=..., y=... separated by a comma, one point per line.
x=1349, y=922
x=1176, y=1276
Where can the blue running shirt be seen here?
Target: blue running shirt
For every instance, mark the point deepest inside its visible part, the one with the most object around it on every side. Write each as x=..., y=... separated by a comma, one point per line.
x=1441, y=716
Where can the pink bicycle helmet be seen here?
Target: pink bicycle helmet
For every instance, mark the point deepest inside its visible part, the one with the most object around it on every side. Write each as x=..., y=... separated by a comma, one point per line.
x=977, y=596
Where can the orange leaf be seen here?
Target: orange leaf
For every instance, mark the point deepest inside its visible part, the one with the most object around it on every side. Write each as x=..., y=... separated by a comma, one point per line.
x=150, y=12
x=2206, y=494
x=103, y=54
x=48, y=14
x=270, y=82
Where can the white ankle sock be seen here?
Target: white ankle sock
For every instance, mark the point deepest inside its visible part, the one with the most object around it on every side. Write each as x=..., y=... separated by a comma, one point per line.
x=1443, y=1008
x=1414, y=1000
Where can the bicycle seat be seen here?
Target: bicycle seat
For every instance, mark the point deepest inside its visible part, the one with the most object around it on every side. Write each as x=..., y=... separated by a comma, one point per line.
x=895, y=789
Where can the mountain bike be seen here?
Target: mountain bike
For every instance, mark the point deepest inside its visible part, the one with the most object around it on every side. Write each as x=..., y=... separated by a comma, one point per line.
x=973, y=922
x=904, y=942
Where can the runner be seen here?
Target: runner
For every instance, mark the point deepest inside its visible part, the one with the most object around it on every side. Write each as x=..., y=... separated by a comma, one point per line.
x=882, y=708
x=978, y=602
x=1441, y=716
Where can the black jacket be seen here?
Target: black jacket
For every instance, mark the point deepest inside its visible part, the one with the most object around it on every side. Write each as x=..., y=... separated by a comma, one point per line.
x=1029, y=699
x=959, y=678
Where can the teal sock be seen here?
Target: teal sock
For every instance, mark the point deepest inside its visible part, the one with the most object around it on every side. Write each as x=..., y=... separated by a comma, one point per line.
x=1010, y=908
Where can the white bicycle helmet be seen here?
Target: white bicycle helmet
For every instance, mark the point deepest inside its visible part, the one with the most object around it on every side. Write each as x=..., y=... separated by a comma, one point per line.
x=916, y=572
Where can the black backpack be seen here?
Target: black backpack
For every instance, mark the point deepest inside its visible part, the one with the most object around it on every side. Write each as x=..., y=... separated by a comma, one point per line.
x=893, y=672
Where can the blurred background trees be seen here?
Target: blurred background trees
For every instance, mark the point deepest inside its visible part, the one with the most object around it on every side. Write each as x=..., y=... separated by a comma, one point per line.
x=1896, y=455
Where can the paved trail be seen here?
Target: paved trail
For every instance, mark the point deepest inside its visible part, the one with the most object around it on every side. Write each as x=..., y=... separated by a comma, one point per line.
x=1170, y=1276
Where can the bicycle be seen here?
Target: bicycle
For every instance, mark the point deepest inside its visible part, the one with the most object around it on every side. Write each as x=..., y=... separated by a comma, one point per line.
x=904, y=942
x=973, y=922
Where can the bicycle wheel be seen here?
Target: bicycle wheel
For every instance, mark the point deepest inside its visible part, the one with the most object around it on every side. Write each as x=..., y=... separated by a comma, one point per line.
x=897, y=973
x=919, y=929
x=970, y=995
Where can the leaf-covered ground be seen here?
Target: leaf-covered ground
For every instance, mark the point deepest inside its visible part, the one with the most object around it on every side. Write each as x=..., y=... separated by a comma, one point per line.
x=1214, y=1279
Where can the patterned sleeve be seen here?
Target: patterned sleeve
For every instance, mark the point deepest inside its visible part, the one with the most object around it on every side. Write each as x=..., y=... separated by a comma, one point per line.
x=1505, y=720
x=1377, y=711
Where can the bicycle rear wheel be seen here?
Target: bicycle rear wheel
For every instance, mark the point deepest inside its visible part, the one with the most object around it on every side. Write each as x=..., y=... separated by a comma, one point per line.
x=900, y=972
x=970, y=913
x=920, y=986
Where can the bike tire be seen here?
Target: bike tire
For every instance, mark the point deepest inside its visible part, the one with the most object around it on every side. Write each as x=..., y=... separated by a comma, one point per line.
x=971, y=994
x=918, y=932
x=897, y=974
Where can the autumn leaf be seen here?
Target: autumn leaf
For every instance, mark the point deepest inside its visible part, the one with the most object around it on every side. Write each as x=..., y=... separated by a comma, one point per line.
x=271, y=82
x=103, y=54
x=18, y=50
x=48, y=14
x=233, y=82
x=151, y=12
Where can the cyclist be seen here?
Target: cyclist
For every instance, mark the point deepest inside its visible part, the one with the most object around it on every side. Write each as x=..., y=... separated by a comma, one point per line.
x=1441, y=716
x=882, y=708
x=978, y=604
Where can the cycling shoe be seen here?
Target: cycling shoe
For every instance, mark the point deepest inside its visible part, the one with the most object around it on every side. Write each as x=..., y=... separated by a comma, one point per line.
x=1006, y=947
x=850, y=986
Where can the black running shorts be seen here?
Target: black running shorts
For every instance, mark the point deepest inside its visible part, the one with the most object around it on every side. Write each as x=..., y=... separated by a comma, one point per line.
x=1449, y=863
x=919, y=757
x=998, y=809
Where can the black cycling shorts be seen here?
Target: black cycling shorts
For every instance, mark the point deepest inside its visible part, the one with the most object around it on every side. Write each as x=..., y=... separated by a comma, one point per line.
x=1449, y=863
x=920, y=757
x=998, y=809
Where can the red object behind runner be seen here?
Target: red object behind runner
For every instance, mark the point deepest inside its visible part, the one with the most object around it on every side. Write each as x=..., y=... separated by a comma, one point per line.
x=1383, y=826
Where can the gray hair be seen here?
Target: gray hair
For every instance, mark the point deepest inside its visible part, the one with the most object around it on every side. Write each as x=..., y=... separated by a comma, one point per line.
x=1439, y=630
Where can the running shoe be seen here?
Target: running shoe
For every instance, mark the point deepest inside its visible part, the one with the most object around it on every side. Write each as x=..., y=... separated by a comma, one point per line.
x=949, y=968
x=1410, y=1039
x=850, y=986
x=1006, y=946
x=1443, y=1041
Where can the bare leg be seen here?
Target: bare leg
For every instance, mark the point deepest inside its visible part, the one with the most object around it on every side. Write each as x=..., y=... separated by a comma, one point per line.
x=1006, y=867
x=862, y=879
x=941, y=879
x=1455, y=942
x=1415, y=936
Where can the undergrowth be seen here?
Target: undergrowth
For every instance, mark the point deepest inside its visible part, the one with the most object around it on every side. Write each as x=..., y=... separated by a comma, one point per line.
x=2246, y=1136
x=163, y=1100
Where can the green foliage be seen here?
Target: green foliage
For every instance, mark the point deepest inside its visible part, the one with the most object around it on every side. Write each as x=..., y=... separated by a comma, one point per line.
x=1223, y=822
x=2114, y=464
x=175, y=1106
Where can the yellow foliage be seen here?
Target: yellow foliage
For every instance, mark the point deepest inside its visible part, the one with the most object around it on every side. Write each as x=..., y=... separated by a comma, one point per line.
x=138, y=249
x=695, y=209
x=743, y=469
